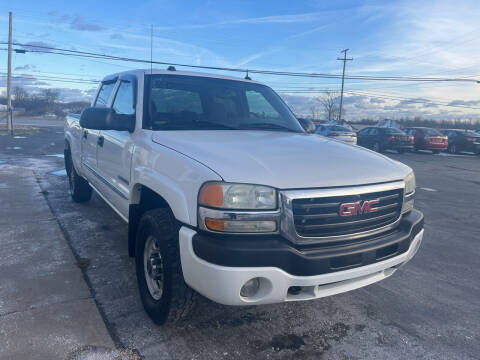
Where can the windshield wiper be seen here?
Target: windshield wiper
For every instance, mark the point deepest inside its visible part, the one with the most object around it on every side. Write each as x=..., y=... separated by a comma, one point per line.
x=267, y=126
x=213, y=125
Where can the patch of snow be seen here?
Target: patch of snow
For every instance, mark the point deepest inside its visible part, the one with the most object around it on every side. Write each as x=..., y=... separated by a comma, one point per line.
x=19, y=137
x=428, y=189
x=13, y=147
x=62, y=172
x=56, y=155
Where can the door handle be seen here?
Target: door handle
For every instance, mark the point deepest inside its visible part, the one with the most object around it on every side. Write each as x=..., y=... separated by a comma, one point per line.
x=100, y=140
x=85, y=134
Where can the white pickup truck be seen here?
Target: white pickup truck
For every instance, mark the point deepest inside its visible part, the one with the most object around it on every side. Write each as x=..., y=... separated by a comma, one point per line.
x=226, y=195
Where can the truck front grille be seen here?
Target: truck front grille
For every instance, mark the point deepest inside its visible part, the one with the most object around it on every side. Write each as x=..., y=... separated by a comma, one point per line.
x=320, y=216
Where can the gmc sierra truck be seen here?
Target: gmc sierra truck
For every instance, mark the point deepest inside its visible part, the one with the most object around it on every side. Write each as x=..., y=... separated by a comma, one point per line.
x=226, y=195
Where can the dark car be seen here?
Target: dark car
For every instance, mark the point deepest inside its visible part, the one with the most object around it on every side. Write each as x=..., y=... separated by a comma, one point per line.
x=385, y=138
x=462, y=140
x=428, y=139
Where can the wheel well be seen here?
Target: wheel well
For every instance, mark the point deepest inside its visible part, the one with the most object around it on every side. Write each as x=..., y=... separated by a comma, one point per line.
x=145, y=199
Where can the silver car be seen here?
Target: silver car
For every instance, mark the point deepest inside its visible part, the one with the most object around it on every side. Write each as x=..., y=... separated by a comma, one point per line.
x=337, y=132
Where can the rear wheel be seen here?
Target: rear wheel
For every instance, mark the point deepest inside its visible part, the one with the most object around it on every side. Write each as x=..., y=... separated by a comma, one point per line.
x=436, y=151
x=79, y=189
x=163, y=291
x=377, y=147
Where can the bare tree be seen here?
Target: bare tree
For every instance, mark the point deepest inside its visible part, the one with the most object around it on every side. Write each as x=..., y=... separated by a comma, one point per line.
x=50, y=95
x=330, y=104
x=314, y=113
x=20, y=94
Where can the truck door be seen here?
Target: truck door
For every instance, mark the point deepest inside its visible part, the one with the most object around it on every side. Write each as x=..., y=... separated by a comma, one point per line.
x=90, y=137
x=115, y=149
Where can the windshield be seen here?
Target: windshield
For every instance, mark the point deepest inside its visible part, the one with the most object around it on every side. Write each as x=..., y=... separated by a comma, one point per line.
x=175, y=102
x=391, y=131
x=431, y=132
x=338, y=128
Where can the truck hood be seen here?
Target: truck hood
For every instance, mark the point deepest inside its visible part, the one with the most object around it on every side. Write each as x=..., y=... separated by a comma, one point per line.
x=281, y=159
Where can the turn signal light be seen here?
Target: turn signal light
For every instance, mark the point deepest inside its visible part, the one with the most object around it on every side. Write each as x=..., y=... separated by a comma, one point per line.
x=215, y=224
x=241, y=226
x=212, y=195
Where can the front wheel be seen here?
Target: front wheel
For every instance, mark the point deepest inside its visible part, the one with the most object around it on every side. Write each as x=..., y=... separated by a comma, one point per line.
x=163, y=291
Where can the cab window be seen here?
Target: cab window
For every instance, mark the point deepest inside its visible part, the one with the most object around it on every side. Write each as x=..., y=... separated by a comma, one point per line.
x=124, y=103
x=104, y=94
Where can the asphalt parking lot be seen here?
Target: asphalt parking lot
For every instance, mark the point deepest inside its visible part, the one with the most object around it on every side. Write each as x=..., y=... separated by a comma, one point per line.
x=430, y=309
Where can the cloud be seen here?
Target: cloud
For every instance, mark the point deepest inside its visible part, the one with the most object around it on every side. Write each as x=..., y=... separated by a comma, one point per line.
x=272, y=19
x=37, y=46
x=464, y=103
x=116, y=36
x=27, y=67
x=376, y=101
x=67, y=94
x=23, y=80
x=80, y=23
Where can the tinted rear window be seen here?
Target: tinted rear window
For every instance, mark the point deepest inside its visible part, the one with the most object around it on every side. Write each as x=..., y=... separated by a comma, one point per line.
x=338, y=128
x=392, y=131
x=431, y=132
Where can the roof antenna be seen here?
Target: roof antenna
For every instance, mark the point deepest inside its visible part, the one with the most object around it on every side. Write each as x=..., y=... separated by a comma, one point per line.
x=151, y=49
x=247, y=77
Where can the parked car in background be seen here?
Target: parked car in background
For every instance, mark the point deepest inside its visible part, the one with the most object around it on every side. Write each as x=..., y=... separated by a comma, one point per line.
x=428, y=139
x=385, y=138
x=462, y=140
x=337, y=132
x=307, y=125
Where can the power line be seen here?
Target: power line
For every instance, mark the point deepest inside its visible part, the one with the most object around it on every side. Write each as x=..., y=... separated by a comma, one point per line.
x=68, y=52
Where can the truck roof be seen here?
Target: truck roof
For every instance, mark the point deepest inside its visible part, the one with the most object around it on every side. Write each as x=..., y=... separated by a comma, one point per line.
x=141, y=72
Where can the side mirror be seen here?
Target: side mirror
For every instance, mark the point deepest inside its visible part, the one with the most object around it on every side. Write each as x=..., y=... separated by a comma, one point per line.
x=98, y=118
x=307, y=125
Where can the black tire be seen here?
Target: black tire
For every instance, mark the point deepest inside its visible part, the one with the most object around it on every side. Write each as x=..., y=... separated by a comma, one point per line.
x=176, y=299
x=452, y=149
x=436, y=151
x=377, y=147
x=79, y=189
x=400, y=151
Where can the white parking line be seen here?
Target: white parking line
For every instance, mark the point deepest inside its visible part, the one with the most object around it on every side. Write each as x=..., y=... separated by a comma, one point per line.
x=56, y=155
x=447, y=154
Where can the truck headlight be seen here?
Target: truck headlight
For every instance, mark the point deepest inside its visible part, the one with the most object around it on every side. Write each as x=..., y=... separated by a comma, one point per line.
x=238, y=196
x=238, y=208
x=408, y=199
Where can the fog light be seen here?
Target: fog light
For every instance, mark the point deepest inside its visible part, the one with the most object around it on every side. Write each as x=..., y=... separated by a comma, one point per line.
x=250, y=288
x=407, y=206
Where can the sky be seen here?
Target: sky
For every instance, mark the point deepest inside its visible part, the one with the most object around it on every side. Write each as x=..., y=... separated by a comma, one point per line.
x=385, y=38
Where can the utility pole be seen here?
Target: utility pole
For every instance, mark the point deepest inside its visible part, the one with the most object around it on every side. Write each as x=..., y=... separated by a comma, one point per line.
x=9, y=77
x=344, y=59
